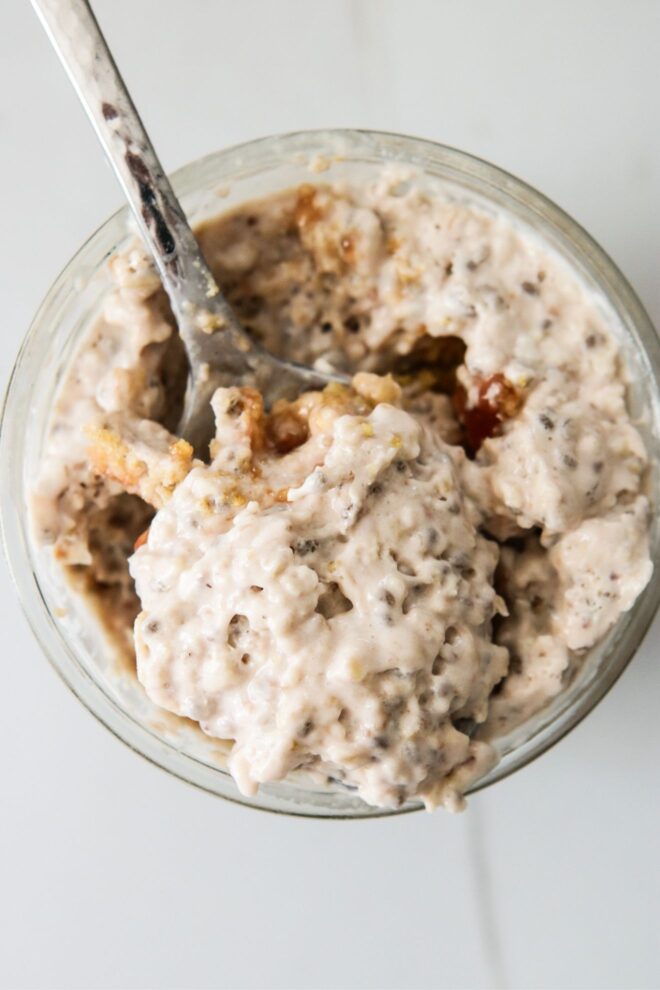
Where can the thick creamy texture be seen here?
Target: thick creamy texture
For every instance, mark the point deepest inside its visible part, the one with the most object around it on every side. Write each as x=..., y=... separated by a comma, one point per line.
x=323, y=592
x=336, y=626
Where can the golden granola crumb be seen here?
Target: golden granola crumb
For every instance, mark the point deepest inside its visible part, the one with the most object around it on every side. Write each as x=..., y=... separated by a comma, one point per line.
x=149, y=466
x=377, y=388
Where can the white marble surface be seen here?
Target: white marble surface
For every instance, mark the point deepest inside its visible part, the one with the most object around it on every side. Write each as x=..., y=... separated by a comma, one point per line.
x=113, y=874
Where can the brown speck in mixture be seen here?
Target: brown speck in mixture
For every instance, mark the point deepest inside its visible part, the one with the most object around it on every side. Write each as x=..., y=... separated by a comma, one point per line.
x=235, y=406
x=449, y=268
x=515, y=664
x=304, y=547
x=597, y=467
x=531, y=288
x=570, y=462
x=546, y=422
x=238, y=626
x=547, y=323
x=250, y=306
x=352, y=324
x=438, y=666
x=326, y=327
x=347, y=245
x=306, y=212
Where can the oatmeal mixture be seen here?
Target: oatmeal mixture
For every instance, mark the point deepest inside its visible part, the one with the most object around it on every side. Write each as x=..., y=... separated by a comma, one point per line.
x=371, y=582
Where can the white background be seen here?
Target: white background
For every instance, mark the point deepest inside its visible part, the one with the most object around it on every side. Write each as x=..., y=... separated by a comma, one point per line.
x=113, y=874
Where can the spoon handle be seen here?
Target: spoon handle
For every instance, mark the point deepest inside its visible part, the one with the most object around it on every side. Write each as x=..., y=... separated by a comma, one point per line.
x=77, y=39
x=214, y=359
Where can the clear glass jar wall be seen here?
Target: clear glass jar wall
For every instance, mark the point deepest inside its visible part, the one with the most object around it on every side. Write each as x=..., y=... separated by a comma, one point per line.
x=61, y=622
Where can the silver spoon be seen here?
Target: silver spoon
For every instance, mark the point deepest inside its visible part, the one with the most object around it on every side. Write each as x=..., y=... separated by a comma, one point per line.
x=218, y=348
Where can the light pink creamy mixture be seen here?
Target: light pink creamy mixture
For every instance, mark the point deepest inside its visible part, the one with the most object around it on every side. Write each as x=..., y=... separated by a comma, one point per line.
x=369, y=583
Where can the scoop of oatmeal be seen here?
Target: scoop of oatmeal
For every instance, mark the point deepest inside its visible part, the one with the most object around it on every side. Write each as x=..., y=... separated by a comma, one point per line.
x=360, y=542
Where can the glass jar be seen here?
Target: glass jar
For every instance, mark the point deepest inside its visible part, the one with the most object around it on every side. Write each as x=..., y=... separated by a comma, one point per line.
x=66, y=630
